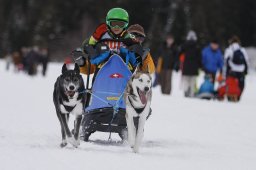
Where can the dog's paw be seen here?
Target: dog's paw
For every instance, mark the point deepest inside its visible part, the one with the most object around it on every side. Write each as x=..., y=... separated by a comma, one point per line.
x=77, y=142
x=63, y=144
x=131, y=142
x=124, y=135
x=73, y=142
x=135, y=149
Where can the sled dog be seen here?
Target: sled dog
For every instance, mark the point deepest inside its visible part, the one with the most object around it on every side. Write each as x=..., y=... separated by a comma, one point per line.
x=138, y=99
x=68, y=99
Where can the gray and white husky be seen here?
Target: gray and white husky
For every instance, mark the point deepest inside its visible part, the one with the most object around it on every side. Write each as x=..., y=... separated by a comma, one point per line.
x=138, y=95
x=68, y=99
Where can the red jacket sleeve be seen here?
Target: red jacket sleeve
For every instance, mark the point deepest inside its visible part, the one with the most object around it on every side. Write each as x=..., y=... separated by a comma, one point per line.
x=100, y=30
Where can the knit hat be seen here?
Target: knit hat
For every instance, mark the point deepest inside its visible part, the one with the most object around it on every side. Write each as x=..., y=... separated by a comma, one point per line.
x=191, y=35
x=136, y=28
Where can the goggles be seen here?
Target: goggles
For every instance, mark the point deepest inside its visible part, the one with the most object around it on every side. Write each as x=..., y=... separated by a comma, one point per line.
x=118, y=24
x=138, y=36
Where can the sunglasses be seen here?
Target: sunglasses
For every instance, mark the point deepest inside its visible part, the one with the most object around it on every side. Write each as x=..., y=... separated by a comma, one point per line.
x=118, y=24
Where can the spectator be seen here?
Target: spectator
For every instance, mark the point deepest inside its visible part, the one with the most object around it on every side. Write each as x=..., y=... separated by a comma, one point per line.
x=168, y=57
x=31, y=61
x=44, y=59
x=206, y=90
x=236, y=62
x=190, y=54
x=8, y=59
x=17, y=61
x=212, y=59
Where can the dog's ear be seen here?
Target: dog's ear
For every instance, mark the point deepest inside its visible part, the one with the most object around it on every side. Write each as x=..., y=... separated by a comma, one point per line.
x=137, y=75
x=138, y=69
x=133, y=77
x=64, y=68
x=129, y=87
x=147, y=71
x=77, y=70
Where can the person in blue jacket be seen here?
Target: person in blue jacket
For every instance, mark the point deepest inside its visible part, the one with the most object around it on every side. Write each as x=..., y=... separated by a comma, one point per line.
x=206, y=90
x=212, y=59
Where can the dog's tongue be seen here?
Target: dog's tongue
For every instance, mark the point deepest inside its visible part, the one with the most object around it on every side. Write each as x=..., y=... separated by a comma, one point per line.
x=143, y=97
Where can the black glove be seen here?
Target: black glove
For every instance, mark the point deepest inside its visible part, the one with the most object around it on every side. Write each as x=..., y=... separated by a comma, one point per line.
x=101, y=48
x=128, y=41
x=89, y=50
x=137, y=49
x=79, y=57
x=80, y=61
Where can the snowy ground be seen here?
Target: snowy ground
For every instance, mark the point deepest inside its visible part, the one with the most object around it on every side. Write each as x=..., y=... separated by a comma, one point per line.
x=182, y=134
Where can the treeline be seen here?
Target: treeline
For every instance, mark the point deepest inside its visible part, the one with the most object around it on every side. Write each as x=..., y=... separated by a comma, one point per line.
x=62, y=25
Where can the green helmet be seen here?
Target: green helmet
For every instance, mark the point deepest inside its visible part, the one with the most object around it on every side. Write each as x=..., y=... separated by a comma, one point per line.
x=117, y=14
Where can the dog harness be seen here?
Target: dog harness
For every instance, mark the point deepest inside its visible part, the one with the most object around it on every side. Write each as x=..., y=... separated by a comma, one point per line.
x=138, y=110
x=69, y=108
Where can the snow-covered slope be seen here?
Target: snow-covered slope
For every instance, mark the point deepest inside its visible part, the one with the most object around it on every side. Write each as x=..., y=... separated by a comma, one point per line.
x=187, y=134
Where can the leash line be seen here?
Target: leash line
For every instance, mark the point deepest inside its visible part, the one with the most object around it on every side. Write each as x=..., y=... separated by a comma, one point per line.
x=88, y=91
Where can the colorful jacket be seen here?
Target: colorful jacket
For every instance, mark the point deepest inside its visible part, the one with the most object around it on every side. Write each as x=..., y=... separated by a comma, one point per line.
x=212, y=61
x=103, y=34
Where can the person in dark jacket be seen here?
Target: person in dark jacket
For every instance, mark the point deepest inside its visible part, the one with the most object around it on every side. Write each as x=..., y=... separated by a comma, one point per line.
x=166, y=61
x=138, y=33
x=191, y=62
x=44, y=59
x=212, y=59
x=31, y=61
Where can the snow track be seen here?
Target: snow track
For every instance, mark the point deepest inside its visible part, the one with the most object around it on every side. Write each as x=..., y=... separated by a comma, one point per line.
x=181, y=133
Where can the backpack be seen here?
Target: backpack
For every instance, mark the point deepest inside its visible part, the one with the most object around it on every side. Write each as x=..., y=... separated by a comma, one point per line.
x=238, y=57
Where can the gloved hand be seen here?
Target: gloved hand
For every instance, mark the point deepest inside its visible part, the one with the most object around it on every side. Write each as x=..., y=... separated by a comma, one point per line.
x=137, y=49
x=79, y=56
x=133, y=58
x=101, y=48
x=128, y=41
x=80, y=61
x=89, y=50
